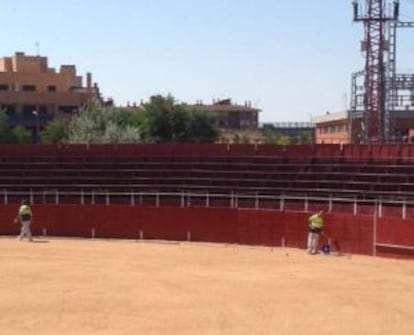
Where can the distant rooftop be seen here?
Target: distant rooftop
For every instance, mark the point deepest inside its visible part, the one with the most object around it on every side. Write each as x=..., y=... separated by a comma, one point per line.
x=289, y=124
x=330, y=117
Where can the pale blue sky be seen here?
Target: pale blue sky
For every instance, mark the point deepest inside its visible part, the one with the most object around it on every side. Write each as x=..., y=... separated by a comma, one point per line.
x=291, y=58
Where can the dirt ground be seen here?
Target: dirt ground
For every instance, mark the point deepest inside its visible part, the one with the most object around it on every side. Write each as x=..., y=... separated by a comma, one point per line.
x=71, y=286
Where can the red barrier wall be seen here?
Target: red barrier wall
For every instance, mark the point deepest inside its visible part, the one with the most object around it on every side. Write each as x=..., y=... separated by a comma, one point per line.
x=394, y=231
x=252, y=227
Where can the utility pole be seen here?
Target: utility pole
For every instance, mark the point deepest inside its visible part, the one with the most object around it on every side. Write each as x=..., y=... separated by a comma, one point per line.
x=374, y=124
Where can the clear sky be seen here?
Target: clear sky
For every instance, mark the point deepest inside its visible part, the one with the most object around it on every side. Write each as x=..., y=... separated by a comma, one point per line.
x=293, y=59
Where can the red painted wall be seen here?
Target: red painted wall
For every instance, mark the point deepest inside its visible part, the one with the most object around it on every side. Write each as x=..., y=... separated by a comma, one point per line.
x=251, y=227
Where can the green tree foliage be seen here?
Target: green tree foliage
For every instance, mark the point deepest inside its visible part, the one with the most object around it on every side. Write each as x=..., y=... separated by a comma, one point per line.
x=167, y=121
x=55, y=132
x=21, y=135
x=12, y=135
x=5, y=132
x=162, y=120
x=100, y=124
x=270, y=135
x=201, y=127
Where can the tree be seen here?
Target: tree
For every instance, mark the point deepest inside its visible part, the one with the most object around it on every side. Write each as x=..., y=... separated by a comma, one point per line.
x=102, y=124
x=167, y=121
x=21, y=135
x=201, y=127
x=54, y=132
x=5, y=132
x=18, y=134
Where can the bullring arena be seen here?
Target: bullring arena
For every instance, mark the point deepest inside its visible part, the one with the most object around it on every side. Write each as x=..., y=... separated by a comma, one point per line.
x=161, y=240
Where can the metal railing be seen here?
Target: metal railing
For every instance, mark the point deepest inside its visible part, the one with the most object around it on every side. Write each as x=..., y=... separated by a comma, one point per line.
x=282, y=202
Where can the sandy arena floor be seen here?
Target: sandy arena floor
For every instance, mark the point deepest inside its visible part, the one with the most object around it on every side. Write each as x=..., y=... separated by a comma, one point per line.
x=69, y=286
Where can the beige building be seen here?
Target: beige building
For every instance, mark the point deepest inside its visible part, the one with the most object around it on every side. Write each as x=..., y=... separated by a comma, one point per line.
x=32, y=93
x=331, y=128
x=235, y=121
x=231, y=116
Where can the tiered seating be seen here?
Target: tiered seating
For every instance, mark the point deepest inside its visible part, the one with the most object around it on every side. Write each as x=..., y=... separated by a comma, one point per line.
x=366, y=172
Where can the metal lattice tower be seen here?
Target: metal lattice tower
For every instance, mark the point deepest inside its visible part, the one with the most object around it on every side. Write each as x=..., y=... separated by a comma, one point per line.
x=375, y=121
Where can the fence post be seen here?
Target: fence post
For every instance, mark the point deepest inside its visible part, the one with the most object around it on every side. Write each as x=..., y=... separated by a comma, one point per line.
x=306, y=204
x=57, y=197
x=380, y=208
x=6, y=199
x=82, y=198
x=182, y=199
x=256, y=204
x=107, y=198
x=31, y=196
x=404, y=210
x=282, y=203
x=207, y=200
x=157, y=200
x=132, y=199
x=93, y=197
x=355, y=206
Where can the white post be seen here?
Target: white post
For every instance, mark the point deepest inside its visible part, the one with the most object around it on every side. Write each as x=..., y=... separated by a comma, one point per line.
x=57, y=197
x=93, y=197
x=306, y=204
x=282, y=242
x=82, y=198
x=31, y=196
x=6, y=199
x=132, y=199
x=282, y=203
x=404, y=210
x=380, y=209
x=141, y=235
x=256, y=205
x=232, y=200
x=355, y=207
x=207, y=200
x=157, y=200
x=93, y=232
x=188, y=236
x=182, y=199
x=107, y=198
x=44, y=231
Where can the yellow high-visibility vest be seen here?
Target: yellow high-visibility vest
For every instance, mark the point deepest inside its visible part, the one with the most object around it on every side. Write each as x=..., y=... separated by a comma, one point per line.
x=25, y=210
x=316, y=221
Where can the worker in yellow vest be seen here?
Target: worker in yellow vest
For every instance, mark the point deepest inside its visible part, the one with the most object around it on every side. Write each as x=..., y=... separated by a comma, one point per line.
x=24, y=216
x=316, y=223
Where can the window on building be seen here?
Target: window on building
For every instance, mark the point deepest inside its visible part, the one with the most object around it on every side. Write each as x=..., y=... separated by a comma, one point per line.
x=51, y=88
x=4, y=87
x=67, y=109
x=28, y=88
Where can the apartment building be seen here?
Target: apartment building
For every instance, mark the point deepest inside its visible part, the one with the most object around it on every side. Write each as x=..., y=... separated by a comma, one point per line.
x=231, y=116
x=332, y=128
x=32, y=93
